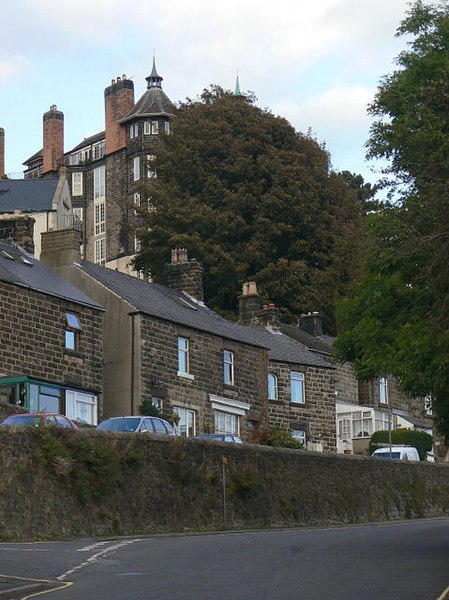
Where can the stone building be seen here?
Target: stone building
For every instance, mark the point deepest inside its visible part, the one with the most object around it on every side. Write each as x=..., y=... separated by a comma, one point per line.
x=50, y=339
x=106, y=170
x=301, y=383
x=166, y=346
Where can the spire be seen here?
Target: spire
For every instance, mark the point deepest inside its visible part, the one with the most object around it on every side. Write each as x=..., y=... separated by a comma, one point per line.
x=154, y=79
x=237, y=91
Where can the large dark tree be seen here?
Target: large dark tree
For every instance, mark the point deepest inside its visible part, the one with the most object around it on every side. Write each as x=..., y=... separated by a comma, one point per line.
x=397, y=319
x=252, y=199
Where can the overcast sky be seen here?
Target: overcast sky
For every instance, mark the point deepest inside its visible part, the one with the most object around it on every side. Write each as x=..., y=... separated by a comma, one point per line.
x=315, y=62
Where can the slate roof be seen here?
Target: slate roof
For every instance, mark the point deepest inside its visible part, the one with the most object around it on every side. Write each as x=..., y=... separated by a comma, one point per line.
x=153, y=103
x=39, y=154
x=157, y=301
x=27, y=195
x=283, y=348
x=20, y=268
x=93, y=139
x=322, y=344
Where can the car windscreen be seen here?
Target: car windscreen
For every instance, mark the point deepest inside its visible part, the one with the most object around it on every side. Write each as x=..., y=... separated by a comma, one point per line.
x=388, y=455
x=23, y=420
x=130, y=424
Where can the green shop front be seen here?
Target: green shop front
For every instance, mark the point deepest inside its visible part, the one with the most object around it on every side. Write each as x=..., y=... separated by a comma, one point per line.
x=42, y=396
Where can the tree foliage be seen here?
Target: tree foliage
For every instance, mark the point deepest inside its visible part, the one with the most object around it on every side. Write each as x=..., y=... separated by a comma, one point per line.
x=252, y=199
x=396, y=320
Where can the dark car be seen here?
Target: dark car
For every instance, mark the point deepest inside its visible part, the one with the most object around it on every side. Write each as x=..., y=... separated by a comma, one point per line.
x=38, y=420
x=220, y=437
x=137, y=425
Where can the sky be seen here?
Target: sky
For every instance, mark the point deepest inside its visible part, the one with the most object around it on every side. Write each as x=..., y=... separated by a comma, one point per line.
x=316, y=63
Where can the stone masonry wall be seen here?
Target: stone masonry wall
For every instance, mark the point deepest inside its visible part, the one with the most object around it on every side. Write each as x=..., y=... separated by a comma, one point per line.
x=317, y=415
x=159, y=367
x=32, y=338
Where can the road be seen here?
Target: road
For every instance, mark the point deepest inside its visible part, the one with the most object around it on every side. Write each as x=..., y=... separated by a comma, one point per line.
x=399, y=561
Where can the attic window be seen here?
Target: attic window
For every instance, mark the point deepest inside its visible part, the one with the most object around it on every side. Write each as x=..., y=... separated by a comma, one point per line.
x=25, y=260
x=188, y=304
x=7, y=255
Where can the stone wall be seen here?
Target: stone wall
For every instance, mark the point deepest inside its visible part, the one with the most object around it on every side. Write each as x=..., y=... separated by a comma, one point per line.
x=161, y=485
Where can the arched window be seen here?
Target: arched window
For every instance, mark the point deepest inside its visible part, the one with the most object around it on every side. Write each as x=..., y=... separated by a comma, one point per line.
x=272, y=387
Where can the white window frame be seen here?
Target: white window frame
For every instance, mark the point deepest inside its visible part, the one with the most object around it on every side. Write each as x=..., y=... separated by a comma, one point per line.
x=383, y=391
x=151, y=171
x=300, y=435
x=77, y=404
x=167, y=127
x=136, y=168
x=227, y=423
x=272, y=386
x=427, y=405
x=133, y=131
x=99, y=218
x=186, y=426
x=154, y=127
x=77, y=183
x=297, y=384
x=147, y=127
x=362, y=424
x=100, y=183
x=100, y=251
x=183, y=356
x=78, y=213
x=228, y=367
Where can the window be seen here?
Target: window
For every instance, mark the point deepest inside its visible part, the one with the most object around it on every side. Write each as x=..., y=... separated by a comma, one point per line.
x=133, y=131
x=297, y=387
x=147, y=127
x=78, y=213
x=80, y=406
x=77, y=184
x=72, y=330
x=428, y=405
x=45, y=398
x=272, y=387
x=228, y=365
x=226, y=423
x=166, y=127
x=362, y=424
x=183, y=355
x=100, y=220
x=136, y=168
x=137, y=244
x=299, y=435
x=382, y=421
x=99, y=149
x=136, y=201
x=186, y=423
x=383, y=390
x=100, y=252
x=344, y=429
x=154, y=127
x=99, y=183
x=151, y=172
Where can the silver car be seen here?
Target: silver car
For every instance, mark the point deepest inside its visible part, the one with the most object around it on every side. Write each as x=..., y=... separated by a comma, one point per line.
x=137, y=425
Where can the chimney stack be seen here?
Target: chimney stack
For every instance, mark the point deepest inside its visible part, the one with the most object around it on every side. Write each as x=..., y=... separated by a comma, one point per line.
x=53, y=138
x=118, y=102
x=60, y=248
x=185, y=275
x=2, y=153
x=269, y=315
x=18, y=228
x=312, y=323
x=249, y=303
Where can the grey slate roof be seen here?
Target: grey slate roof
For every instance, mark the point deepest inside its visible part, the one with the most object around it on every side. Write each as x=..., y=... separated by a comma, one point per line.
x=20, y=268
x=96, y=137
x=153, y=103
x=283, y=348
x=322, y=344
x=27, y=195
x=39, y=154
x=157, y=301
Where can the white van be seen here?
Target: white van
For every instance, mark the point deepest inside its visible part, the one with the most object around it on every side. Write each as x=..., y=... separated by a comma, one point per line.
x=398, y=452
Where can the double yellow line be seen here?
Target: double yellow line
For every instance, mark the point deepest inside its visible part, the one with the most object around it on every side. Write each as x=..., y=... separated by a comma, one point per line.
x=61, y=585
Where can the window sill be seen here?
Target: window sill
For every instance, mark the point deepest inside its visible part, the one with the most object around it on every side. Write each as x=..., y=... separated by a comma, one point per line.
x=74, y=353
x=230, y=386
x=188, y=376
x=302, y=404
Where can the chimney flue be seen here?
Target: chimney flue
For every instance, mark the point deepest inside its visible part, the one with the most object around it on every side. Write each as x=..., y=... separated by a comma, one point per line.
x=53, y=138
x=185, y=275
x=249, y=303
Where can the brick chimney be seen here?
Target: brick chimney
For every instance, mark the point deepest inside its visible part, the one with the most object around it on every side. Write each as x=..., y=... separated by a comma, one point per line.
x=53, y=138
x=185, y=275
x=60, y=248
x=249, y=303
x=18, y=228
x=269, y=315
x=118, y=102
x=2, y=152
x=312, y=323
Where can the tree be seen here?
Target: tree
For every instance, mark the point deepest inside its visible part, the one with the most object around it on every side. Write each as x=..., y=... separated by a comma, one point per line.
x=396, y=319
x=252, y=199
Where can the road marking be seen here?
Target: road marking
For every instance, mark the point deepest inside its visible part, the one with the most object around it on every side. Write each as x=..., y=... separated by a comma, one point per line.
x=98, y=555
x=444, y=595
x=93, y=546
x=66, y=584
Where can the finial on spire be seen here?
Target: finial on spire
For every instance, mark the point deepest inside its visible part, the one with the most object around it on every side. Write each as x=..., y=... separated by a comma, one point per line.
x=154, y=79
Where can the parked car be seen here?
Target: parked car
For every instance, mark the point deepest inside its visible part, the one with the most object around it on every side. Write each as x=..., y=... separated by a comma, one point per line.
x=38, y=420
x=398, y=452
x=137, y=425
x=221, y=437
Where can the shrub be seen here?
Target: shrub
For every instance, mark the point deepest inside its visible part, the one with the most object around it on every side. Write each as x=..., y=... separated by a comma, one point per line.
x=421, y=440
x=274, y=436
x=148, y=409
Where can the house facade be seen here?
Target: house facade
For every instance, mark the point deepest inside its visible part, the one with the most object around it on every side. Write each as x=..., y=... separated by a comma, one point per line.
x=50, y=340
x=165, y=346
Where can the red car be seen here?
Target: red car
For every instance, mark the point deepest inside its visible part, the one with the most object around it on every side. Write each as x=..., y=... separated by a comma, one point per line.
x=38, y=420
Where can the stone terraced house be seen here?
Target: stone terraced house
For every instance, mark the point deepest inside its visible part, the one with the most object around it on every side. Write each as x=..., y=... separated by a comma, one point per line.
x=50, y=339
